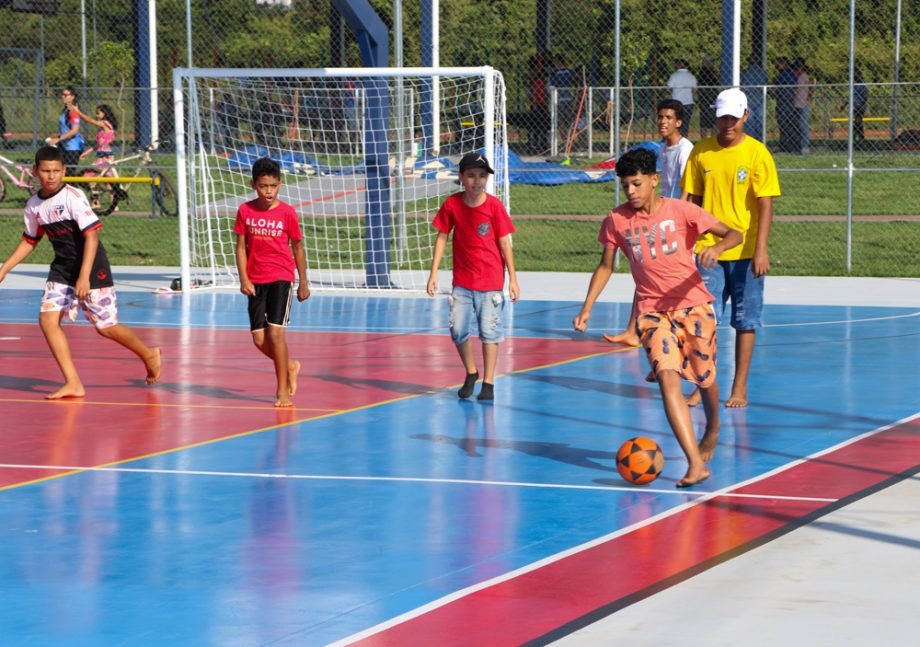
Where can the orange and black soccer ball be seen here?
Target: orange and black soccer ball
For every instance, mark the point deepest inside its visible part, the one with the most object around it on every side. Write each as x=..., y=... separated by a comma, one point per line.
x=639, y=460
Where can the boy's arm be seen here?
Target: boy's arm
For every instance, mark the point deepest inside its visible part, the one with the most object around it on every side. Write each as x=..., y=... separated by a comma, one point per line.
x=90, y=246
x=246, y=286
x=761, y=261
x=439, y=246
x=599, y=279
x=23, y=249
x=709, y=256
x=300, y=260
x=505, y=245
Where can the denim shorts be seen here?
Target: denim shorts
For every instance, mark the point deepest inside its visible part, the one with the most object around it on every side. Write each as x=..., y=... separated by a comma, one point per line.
x=734, y=281
x=484, y=308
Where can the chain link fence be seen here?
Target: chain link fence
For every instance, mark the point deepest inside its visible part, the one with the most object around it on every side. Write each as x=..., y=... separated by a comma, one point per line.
x=579, y=92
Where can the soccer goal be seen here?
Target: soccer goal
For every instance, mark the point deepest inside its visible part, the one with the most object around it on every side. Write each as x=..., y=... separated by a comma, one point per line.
x=368, y=155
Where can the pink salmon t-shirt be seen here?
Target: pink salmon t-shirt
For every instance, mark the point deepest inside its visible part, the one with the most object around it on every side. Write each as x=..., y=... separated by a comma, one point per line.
x=268, y=241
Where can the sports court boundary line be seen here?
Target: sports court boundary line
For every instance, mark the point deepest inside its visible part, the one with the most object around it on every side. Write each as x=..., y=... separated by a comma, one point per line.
x=507, y=601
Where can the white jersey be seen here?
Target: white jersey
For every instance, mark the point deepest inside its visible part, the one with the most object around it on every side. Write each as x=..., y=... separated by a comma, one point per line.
x=64, y=218
x=673, y=162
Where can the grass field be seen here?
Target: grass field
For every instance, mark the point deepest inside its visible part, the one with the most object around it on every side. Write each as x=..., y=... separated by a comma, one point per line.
x=811, y=187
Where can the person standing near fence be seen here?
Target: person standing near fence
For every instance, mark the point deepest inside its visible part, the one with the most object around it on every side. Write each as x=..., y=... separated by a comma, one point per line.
x=753, y=80
x=785, y=108
x=68, y=138
x=683, y=88
x=708, y=79
x=804, y=92
x=733, y=176
x=860, y=102
x=106, y=122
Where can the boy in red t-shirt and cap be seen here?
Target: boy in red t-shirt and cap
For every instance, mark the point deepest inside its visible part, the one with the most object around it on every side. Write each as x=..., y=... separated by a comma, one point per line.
x=267, y=232
x=482, y=249
x=675, y=318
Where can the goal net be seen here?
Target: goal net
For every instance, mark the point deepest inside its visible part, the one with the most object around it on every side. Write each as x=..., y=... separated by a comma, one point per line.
x=367, y=154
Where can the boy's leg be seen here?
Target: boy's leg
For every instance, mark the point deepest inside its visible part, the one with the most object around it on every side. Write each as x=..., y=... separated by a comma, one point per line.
x=262, y=341
x=747, y=315
x=710, y=398
x=278, y=344
x=678, y=414
x=491, y=331
x=460, y=322
x=744, y=353
x=630, y=334
x=125, y=336
x=50, y=323
x=101, y=309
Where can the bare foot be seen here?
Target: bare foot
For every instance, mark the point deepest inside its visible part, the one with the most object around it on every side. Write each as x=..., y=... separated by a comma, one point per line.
x=68, y=391
x=293, y=372
x=708, y=443
x=693, y=477
x=283, y=401
x=152, y=362
x=694, y=399
x=737, y=400
x=625, y=338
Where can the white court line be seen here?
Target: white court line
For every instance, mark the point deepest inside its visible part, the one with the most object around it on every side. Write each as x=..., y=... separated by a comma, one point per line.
x=456, y=595
x=403, y=479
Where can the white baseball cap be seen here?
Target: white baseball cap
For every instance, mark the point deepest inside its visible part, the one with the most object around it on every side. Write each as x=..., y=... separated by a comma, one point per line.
x=730, y=102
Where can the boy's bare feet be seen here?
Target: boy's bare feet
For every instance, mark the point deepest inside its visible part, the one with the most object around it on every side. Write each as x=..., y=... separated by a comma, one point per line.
x=625, y=338
x=293, y=372
x=68, y=391
x=694, y=399
x=283, y=401
x=708, y=443
x=693, y=476
x=737, y=400
x=153, y=362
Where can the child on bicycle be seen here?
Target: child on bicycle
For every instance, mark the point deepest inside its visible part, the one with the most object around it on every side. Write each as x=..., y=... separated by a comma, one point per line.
x=106, y=122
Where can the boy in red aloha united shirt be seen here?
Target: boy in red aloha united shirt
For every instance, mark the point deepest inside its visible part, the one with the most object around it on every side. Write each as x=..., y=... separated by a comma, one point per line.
x=482, y=249
x=675, y=318
x=79, y=277
x=267, y=232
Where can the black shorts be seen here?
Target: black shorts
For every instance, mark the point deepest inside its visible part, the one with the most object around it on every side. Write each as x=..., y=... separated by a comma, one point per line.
x=270, y=305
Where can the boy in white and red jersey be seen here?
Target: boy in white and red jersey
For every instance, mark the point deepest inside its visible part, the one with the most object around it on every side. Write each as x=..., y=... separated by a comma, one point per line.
x=675, y=318
x=269, y=248
x=482, y=249
x=79, y=276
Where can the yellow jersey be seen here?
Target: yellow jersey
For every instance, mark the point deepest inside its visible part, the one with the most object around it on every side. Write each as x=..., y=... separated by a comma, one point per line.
x=730, y=180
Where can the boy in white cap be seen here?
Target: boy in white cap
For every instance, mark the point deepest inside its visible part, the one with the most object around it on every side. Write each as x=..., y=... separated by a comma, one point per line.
x=733, y=176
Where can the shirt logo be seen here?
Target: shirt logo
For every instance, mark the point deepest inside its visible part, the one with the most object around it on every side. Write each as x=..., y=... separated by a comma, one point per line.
x=482, y=229
x=742, y=175
x=57, y=210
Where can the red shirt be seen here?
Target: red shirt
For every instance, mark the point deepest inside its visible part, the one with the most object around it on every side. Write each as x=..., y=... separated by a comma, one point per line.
x=268, y=241
x=659, y=247
x=478, y=261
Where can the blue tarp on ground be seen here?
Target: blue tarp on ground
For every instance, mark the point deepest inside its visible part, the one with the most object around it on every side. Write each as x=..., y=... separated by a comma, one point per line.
x=519, y=171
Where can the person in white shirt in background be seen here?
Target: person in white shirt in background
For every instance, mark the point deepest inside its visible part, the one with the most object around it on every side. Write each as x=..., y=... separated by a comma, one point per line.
x=683, y=88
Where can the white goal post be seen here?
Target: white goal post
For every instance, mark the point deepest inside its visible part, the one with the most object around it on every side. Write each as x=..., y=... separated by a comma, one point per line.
x=367, y=155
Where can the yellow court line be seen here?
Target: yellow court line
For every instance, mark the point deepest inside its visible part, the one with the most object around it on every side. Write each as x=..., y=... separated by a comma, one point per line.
x=279, y=425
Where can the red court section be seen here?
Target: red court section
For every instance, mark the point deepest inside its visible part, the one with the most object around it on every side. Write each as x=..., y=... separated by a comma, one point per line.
x=214, y=384
x=599, y=579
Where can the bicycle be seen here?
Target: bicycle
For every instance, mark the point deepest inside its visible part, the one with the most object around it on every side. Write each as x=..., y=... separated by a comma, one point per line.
x=105, y=197
x=24, y=180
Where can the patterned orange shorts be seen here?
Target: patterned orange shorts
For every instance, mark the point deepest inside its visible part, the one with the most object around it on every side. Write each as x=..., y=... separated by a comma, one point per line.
x=683, y=341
